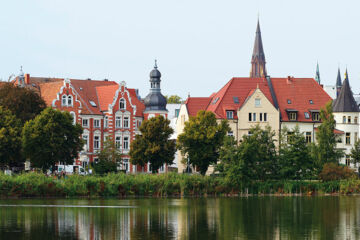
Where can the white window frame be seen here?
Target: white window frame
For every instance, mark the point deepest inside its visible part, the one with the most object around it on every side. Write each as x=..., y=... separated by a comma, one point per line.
x=97, y=123
x=118, y=142
x=229, y=114
x=122, y=102
x=118, y=121
x=85, y=137
x=126, y=144
x=63, y=100
x=70, y=101
x=257, y=102
x=73, y=115
x=87, y=122
x=106, y=122
x=126, y=164
x=126, y=123
x=97, y=139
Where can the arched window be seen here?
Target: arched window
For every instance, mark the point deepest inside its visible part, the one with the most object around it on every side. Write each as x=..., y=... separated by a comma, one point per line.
x=70, y=100
x=63, y=102
x=73, y=117
x=122, y=104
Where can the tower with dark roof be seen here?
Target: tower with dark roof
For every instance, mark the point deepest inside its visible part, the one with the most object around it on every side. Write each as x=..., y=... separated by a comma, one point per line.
x=338, y=83
x=155, y=102
x=345, y=102
x=317, y=75
x=258, y=62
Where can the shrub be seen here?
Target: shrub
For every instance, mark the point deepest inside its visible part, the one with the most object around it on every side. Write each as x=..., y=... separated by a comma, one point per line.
x=333, y=171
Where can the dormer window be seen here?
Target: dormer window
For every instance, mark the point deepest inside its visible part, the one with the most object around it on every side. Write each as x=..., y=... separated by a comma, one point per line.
x=70, y=100
x=307, y=115
x=64, y=100
x=289, y=101
x=230, y=114
x=122, y=104
x=316, y=117
x=292, y=114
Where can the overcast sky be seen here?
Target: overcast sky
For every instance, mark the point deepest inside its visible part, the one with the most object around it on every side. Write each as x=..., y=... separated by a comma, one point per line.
x=199, y=44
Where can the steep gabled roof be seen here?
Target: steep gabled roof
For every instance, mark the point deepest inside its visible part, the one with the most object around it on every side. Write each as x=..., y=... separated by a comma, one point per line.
x=49, y=91
x=304, y=95
x=345, y=102
x=195, y=104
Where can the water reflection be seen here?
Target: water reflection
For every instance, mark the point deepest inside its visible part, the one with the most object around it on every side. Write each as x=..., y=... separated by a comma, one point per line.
x=236, y=218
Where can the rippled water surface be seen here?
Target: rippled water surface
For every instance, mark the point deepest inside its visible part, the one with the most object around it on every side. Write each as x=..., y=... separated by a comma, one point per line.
x=206, y=218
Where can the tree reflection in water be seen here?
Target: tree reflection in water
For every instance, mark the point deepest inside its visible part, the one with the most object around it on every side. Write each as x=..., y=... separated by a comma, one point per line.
x=327, y=217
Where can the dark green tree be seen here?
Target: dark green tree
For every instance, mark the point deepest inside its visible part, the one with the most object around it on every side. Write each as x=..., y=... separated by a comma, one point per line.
x=173, y=99
x=10, y=139
x=109, y=157
x=355, y=152
x=295, y=161
x=154, y=145
x=24, y=103
x=325, y=150
x=202, y=139
x=51, y=138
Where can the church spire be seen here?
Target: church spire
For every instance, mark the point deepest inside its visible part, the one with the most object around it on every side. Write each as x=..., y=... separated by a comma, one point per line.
x=345, y=102
x=338, y=83
x=258, y=62
x=317, y=76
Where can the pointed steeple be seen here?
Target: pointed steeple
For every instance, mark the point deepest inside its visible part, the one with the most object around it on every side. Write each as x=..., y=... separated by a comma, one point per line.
x=317, y=76
x=338, y=83
x=345, y=102
x=258, y=62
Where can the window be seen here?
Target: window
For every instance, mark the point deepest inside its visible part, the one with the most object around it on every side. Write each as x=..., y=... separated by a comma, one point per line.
x=356, y=120
x=257, y=102
x=250, y=117
x=347, y=138
x=118, y=142
x=126, y=122
x=289, y=101
x=96, y=160
x=292, y=116
x=64, y=99
x=86, y=141
x=265, y=117
x=344, y=119
x=118, y=122
x=236, y=99
x=308, y=137
x=349, y=119
x=92, y=103
x=355, y=136
x=126, y=164
x=307, y=115
x=250, y=133
x=254, y=117
x=290, y=137
x=311, y=102
x=162, y=168
x=97, y=123
x=126, y=143
x=85, y=122
x=347, y=160
x=106, y=122
x=122, y=104
x=73, y=117
x=70, y=100
x=230, y=133
x=177, y=111
x=215, y=100
x=229, y=114
x=316, y=117
x=138, y=123
x=96, y=142
x=261, y=118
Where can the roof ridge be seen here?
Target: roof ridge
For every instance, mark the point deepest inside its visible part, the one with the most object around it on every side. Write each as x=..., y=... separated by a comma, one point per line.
x=226, y=90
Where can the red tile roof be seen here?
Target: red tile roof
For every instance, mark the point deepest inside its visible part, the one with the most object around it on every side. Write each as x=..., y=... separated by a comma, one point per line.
x=336, y=131
x=48, y=91
x=299, y=91
x=195, y=104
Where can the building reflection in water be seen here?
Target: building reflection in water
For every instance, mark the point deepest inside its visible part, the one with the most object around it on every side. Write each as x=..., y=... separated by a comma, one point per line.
x=240, y=218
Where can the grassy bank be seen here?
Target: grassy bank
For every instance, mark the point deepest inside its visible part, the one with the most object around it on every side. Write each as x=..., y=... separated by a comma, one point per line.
x=172, y=184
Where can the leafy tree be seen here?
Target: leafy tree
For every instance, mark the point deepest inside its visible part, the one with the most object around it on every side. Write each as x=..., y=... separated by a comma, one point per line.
x=202, y=139
x=325, y=150
x=51, y=138
x=24, y=103
x=153, y=145
x=294, y=156
x=355, y=152
x=258, y=154
x=173, y=99
x=10, y=139
x=109, y=157
x=231, y=165
x=333, y=171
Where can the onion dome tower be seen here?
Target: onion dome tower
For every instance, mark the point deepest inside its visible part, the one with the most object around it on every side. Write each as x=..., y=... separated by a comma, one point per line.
x=155, y=102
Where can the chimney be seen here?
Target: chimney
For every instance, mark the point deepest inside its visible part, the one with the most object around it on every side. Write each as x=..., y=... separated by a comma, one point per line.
x=289, y=80
x=27, y=78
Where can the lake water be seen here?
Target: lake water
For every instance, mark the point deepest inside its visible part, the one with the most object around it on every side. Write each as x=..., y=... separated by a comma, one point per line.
x=328, y=217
